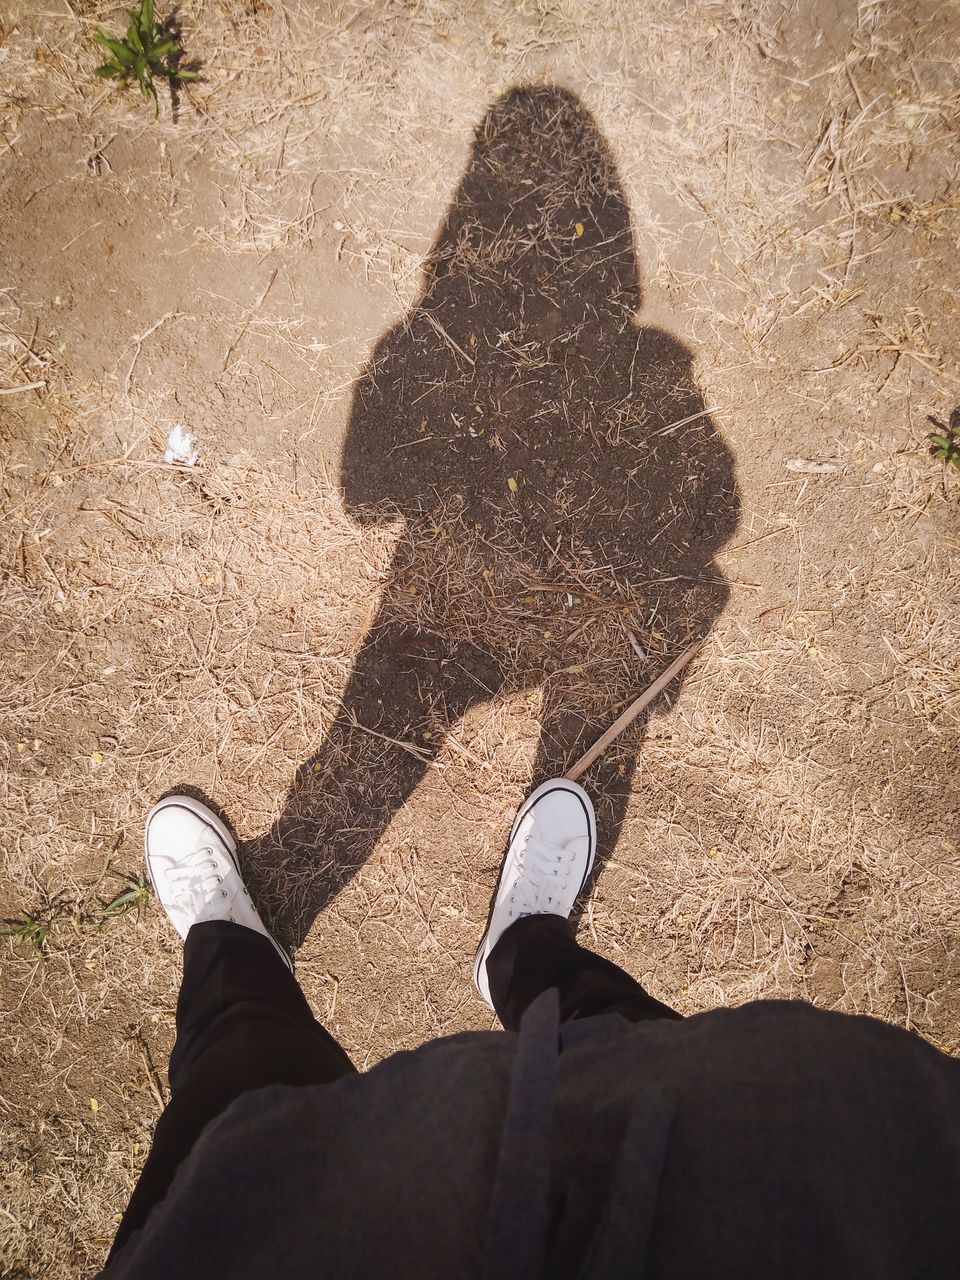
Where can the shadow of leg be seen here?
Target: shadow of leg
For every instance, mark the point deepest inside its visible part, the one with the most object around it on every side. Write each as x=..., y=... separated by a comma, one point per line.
x=406, y=690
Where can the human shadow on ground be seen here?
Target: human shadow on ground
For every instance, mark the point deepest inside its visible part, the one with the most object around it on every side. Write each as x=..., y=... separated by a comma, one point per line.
x=563, y=493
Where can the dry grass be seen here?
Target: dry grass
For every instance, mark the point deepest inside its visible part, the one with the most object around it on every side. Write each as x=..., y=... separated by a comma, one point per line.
x=792, y=824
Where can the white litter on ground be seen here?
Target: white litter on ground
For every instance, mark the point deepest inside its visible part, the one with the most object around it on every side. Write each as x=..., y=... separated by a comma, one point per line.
x=181, y=447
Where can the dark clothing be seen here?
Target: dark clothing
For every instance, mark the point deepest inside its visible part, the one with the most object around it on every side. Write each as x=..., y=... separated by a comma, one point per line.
x=772, y=1140
x=539, y=952
x=243, y=1023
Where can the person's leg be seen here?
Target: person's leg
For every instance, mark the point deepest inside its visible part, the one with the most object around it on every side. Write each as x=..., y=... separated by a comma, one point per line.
x=242, y=1021
x=529, y=945
x=539, y=952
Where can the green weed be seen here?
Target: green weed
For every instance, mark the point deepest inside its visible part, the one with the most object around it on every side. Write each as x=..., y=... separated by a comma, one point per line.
x=34, y=928
x=149, y=49
x=133, y=897
x=945, y=445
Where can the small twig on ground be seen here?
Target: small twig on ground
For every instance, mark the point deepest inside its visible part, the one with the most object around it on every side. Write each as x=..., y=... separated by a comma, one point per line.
x=246, y=323
x=906, y=996
x=139, y=340
x=414, y=750
x=454, y=346
x=80, y=235
x=631, y=713
x=153, y=1079
x=27, y=386
x=675, y=426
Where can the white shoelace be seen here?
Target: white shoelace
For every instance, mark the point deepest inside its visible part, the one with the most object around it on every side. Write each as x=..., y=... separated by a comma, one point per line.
x=542, y=875
x=192, y=884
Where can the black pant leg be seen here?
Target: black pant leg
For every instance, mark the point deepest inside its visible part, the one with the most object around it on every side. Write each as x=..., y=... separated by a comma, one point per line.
x=539, y=952
x=242, y=1023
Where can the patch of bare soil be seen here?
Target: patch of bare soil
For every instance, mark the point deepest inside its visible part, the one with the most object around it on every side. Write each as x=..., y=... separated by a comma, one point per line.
x=523, y=345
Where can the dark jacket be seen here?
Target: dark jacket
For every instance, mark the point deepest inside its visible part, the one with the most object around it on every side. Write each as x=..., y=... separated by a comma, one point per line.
x=773, y=1140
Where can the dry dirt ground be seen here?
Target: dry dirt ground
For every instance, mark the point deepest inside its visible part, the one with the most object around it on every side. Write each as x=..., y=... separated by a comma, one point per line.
x=503, y=328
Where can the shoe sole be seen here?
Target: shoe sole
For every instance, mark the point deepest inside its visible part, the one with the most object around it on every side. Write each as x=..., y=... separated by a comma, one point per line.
x=210, y=819
x=545, y=788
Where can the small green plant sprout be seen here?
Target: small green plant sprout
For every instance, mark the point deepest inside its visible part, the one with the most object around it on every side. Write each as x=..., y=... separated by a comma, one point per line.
x=31, y=927
x=132, y=897
x=945, y=445
x=34, y=928
x=149, y=49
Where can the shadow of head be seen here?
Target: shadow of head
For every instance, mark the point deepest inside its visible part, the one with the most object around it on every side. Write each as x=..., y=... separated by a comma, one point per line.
x=521, y=403
x=532, y=274
x=563, y=488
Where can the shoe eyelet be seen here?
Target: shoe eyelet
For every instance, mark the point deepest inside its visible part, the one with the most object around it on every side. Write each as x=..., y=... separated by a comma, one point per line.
x=223, y=893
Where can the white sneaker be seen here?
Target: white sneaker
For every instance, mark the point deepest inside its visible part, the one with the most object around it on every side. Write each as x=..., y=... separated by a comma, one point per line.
x=550, y=855
x=191, y=858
